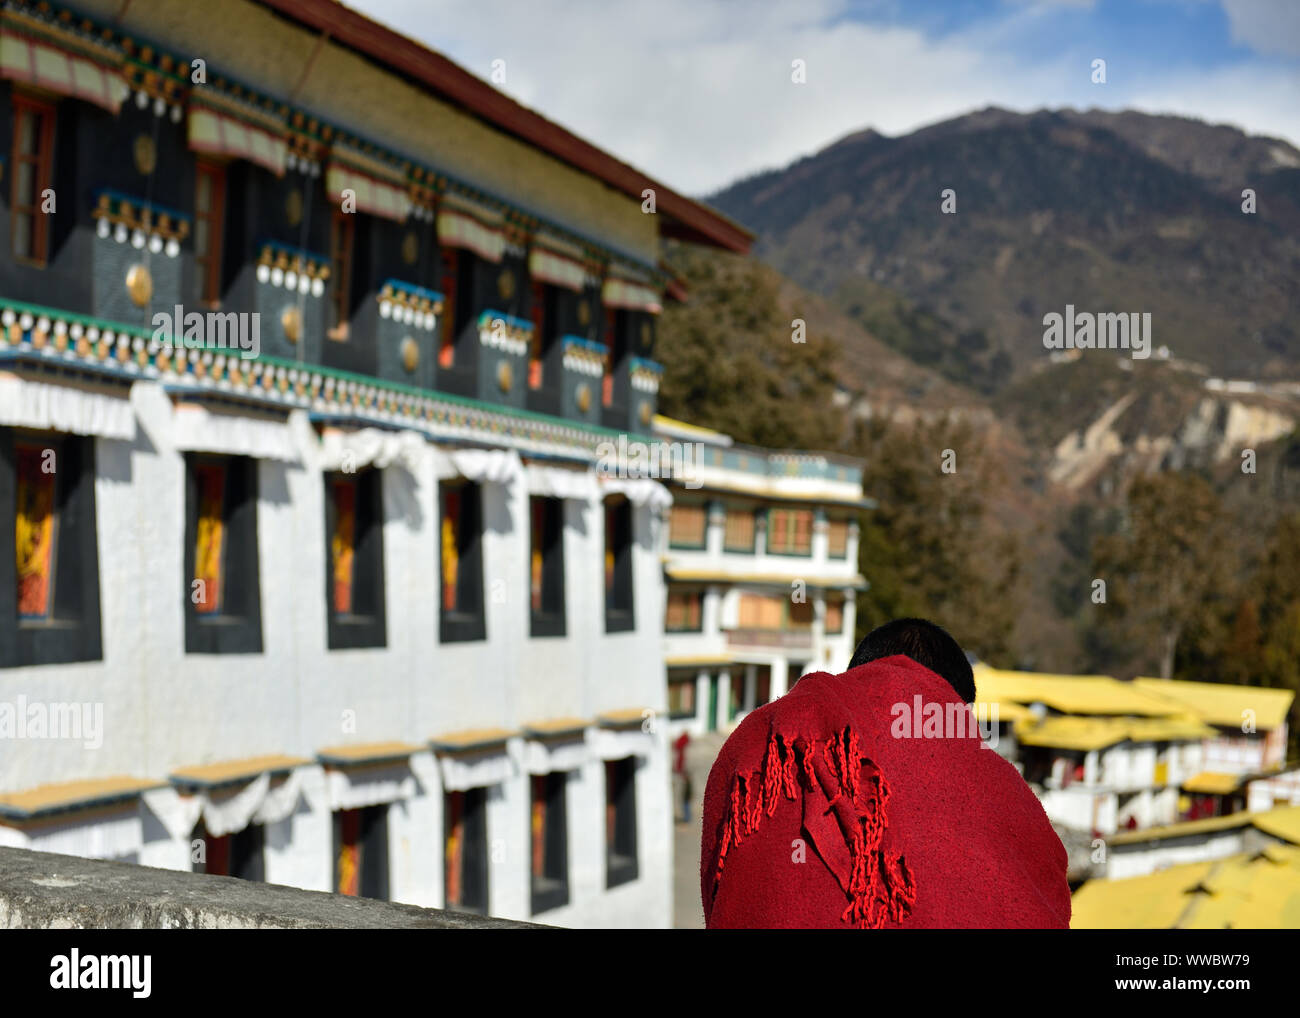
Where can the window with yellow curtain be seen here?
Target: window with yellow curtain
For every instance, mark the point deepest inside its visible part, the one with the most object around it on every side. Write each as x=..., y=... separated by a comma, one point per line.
x=739, y=534
x=834, y=613
x=761, y=611
x=789, y=531
x=837, y=538
x=685, y=611
x=686, y=528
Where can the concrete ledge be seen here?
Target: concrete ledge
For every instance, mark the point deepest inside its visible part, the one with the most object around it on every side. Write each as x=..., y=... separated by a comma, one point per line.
x=44, y=891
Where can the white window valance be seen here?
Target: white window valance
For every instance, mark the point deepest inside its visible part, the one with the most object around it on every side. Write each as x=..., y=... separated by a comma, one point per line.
x=195, y=428
x=356, y=788
x=564, y=755
x=558, y=482
x=490, y=466
x=25, y=403
x=638, y=490
x=617, y=743
x=262, y=800
x=368, y=447
x=476, y=770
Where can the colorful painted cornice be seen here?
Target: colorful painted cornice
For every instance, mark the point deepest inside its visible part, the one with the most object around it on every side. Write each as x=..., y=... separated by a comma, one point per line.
x=164, y=77
x=47, y=339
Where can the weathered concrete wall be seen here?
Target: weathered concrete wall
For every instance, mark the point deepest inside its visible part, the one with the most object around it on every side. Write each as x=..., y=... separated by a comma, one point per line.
x=44, y=891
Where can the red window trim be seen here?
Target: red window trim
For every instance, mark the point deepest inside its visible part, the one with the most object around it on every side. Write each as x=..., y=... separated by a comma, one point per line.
x=44, y=171
x=342, y=237
x=210, y=263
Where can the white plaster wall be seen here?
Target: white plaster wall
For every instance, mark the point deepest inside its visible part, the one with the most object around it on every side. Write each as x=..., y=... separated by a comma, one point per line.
x=164, y=709
x=1148, y=857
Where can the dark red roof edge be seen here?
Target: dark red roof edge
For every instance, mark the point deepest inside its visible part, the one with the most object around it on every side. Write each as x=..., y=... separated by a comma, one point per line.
x=687, y=219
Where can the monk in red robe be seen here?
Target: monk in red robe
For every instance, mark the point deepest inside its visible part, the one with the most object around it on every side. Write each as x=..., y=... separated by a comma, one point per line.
x=869, y=800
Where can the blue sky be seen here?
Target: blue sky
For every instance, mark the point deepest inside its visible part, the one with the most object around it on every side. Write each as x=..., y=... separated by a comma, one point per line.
x=699, y=92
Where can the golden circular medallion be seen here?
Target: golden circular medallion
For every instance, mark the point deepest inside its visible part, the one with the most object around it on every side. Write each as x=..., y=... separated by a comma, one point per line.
x=291, y=323
x=410, y=248
x=645, y=414
x=410, y=354
x=293, y=207
x=645, y=335
x=146, y=154
x=139, y=285
x=505, y=377
x=583, y=397
x=506, y=284
x=584, y=312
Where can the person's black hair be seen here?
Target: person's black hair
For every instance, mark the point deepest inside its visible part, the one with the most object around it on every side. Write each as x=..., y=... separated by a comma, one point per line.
x=926, y=644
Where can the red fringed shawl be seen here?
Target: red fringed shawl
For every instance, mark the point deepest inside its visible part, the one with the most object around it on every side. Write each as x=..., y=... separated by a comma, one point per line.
x=820, y=813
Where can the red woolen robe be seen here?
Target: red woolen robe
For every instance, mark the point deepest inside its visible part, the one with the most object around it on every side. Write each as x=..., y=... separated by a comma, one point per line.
x=819, y=813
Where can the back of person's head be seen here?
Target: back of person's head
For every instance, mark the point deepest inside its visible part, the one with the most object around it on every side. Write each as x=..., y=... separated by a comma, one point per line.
x=926, y=644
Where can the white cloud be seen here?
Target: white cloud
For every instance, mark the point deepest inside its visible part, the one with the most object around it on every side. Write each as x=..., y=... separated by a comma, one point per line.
x=1266, y=26
x=699, y=92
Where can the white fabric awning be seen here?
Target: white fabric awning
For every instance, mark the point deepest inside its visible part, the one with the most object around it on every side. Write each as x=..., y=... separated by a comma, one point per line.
x=558, y=482
x=355, y=450
x=195, y=428
x=263, y=800
x=615, y=744
x=36, y=63
x=565, y=755
x=491, y=466
x=639, y=491
x=215, y=133
x=369, y=786
x=476, y=770
x=29, y=404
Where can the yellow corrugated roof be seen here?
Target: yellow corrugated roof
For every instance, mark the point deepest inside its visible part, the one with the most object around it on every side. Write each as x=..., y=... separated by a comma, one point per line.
x=1222, y=703
x=368, y=752
x=1071, y=694
x=1154, y=902
x=1251, y=890
x=1006, y=710
x=1254, y=891
x=1282, y=822
x=1212, y=783
x=1079, y=733
x=625, y=718
x=53, y=798
x=1176, y=729
x=662, y=421
x=229, y=771
x=1088, y=732
x=472, y=738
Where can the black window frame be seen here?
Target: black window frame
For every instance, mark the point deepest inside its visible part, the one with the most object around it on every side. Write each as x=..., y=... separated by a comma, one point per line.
x=73, y=631
x=679, y=545
x=366, y=624
x=622, y=864
x=374, y=879
x=549, y=619
x=620, y=605
x=695, y=593
x=834, y=520
x=467, y=621
x=246, y=852
x=474, y=852
x=551, y=889
x=237, y=627
x=755, y=515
